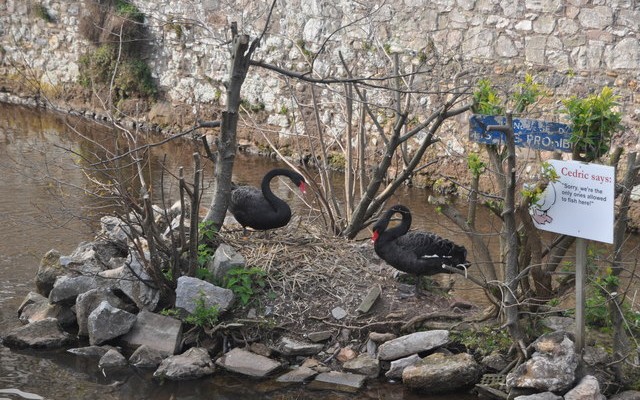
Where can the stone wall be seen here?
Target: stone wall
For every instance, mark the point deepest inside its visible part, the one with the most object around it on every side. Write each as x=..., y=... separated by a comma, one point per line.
x=573, y=47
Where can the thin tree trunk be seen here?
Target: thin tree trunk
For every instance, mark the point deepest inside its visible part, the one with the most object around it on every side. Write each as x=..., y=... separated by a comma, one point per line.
x=240, y=57
x=510, y=233
x=621, y=346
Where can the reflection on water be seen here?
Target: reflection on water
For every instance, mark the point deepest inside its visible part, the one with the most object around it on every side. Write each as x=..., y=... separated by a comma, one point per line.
x=39, y=212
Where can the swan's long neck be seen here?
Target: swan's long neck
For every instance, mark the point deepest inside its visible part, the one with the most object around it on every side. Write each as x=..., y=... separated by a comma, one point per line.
x=274, y=200
x=402, y=228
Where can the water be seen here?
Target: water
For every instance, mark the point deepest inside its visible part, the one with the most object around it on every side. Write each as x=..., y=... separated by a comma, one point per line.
x=43, y=205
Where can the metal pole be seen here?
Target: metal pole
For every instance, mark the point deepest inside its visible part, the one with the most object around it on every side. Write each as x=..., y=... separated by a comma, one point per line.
x=581, y=278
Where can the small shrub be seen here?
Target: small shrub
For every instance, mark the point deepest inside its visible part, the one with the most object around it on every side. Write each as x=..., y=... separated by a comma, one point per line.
x=486, y=99
x=245, y=282
x=593, y=122
x=203, y=316
x=484, y=341
x=475, y=165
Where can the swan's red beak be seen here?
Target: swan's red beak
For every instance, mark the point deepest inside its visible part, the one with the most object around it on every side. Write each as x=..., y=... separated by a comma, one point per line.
x=375, y=236
x=303, y=187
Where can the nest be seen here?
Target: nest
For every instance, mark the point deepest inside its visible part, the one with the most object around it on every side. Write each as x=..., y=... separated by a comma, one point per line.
x=309, y=274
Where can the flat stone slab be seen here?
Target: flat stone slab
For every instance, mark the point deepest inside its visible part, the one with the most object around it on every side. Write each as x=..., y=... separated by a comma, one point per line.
x=369, y=300
x=297, y=375
x=157, y=331
x=247, y=363
x=43, y=334
x=412, y=344
x=291, y=347
x=334, y=380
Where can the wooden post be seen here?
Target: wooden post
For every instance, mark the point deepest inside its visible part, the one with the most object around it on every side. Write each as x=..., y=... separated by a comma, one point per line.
x=581, y=278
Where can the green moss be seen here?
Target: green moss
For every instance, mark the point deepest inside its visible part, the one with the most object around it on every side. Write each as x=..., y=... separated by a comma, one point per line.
x=128, y=10
x=484, y=341
x=40, y=11
x=337, y=161
x=133, y=76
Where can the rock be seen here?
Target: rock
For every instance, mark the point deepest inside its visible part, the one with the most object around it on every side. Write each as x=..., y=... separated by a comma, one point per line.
x=112, y=359
x=36, y=307
x=334, y=380
x=67, y=288
x=588, y=388
x=44, y=334
x=261, y=349
x=192, y=364
x=539, y=396
x=224, y=260
x=626, y=395
x=107, y=322
x=338, y=313
x=397, y=366
x=297, y=375
x=130, y=278
x=369, y=300
x=247, y=363
x=551, y=368
x=146, y=357
x=156, y=331
x=345, y=354
x=440, y=373
x=557, y=323
x=190, y=290
x=495, y=361
x=364, y=364
x=315, y=365
x=48, y=271
x=88, y=301
x=290, y=347
x=115, y=230
x=377, y=337
x=412, y=344
x=320, y=336
x=90, y=351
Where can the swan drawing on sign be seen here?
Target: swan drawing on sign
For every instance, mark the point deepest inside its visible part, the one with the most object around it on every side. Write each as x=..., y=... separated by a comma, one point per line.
x=540, y=210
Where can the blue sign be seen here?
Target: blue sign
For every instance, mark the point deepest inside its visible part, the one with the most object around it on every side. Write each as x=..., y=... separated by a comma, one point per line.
x=532, y=133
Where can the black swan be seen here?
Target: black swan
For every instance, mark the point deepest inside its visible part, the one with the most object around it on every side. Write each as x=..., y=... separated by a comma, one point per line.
x=261, y=209
x=418, y=253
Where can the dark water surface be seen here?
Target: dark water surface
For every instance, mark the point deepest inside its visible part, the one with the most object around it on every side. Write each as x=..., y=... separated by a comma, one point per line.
x=43, y=206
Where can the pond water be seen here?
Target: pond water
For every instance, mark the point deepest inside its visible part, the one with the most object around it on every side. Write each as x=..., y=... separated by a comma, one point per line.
x=43, y=206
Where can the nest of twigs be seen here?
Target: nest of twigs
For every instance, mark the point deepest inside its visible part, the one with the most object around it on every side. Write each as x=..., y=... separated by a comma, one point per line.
x=308, y=274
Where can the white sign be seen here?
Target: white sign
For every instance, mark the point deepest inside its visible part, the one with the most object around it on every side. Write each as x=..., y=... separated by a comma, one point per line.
x=580, y=203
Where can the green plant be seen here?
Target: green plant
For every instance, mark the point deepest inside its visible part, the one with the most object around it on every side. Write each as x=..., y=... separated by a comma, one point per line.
x=534, y=193
x=475, y=165
x=207, y=230
x=133, y=76
x=170, y=312
x=484, y=341
x=204, y=254
x=593, y=121
x=244, y=282
x=527, y=93
x=203, y=316
x=40, y=11
x=129, y=10
x=204, y=274
x=486, y=100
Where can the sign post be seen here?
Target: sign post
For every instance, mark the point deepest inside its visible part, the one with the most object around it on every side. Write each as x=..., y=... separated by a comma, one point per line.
x=579, y=204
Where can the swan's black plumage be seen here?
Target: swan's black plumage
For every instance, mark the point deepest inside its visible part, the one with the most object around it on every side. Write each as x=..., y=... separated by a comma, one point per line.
x=260, y=209
x=416, y=252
